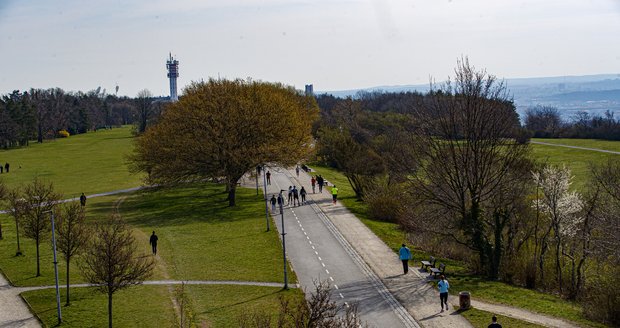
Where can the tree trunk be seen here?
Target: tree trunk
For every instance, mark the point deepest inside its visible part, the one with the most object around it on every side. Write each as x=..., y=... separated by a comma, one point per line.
x=38, y=266
x=558, y=266
x=498, y=247
x=68, y=302
x=109, y=309
x=232, y=188
x=40, y=133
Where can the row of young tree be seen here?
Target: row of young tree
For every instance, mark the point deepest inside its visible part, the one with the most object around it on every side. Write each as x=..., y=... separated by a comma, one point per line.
x=547, y=122
x=107, y=253
x=39, y=114
x=451, y=170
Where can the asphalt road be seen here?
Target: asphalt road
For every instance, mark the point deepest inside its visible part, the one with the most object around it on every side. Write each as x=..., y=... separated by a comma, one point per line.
x=318, y=252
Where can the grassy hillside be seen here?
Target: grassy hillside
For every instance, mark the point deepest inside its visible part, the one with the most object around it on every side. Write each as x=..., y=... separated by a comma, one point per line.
x=578, y=160
x=200, y=238
x=90, y=163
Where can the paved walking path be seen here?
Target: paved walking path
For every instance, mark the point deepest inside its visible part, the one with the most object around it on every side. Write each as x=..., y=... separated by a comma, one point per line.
x=575, y=147
x=412, y=290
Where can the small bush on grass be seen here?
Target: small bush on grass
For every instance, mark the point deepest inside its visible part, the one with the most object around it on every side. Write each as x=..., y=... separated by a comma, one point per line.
x=385, y=202
x=63, y=134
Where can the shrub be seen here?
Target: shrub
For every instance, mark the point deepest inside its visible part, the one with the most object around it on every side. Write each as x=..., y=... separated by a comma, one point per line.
x=601, y=300
x=385, y=202
x=63, y=134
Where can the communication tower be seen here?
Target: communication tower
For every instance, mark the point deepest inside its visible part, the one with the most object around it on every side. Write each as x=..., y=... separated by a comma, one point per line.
x=173, y=72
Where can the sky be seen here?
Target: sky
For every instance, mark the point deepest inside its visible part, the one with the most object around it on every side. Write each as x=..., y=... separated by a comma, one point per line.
x=332, y=44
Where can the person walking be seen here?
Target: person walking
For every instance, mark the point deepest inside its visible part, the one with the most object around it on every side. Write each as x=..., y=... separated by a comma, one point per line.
x=297, y=170
x=494, y=323
x=312, y=182
x=268, y=175
x=280, y=200
x=153, y=242
x=405, y=255
x=334, y=194
x=83, y=200
x=319, y=180
x=273, y=203
x=302, y=193
x=290, y=195
x=6, y=167
x=443, y=286
x=295, y=196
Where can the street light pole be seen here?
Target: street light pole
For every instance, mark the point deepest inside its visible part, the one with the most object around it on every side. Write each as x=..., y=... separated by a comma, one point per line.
x=284, y=248
x=56, y=269
x=266, y=199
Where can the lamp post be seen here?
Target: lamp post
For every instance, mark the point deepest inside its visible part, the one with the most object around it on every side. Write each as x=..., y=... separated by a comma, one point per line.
x=266, y=199
x=284, y=247
x=55, y=268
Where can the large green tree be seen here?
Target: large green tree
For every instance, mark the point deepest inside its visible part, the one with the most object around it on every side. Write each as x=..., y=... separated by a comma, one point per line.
x=222, y=129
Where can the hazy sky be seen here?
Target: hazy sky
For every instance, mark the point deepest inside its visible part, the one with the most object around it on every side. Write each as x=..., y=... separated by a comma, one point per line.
x=333, y=44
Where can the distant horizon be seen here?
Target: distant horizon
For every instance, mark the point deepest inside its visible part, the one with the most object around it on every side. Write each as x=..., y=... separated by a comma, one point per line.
x=319, y=91
x=332, y=44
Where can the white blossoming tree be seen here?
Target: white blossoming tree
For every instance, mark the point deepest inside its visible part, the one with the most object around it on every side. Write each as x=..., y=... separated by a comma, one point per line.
x=563, y=207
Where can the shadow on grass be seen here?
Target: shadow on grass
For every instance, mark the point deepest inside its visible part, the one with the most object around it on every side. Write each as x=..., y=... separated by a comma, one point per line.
x=185, y=204
x=241, y=302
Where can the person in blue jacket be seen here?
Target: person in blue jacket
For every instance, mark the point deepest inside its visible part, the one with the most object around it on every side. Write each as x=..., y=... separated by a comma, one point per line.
x=405, y=255
x=443, y=286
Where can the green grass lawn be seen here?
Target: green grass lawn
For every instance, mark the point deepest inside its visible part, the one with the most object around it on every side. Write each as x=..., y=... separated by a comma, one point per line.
x=151, y=306
x=460, y=279
x=578, y=160
x=92, y=162
x=587, y=143
x=139, y=306
x=200, y=237
x=222, y=306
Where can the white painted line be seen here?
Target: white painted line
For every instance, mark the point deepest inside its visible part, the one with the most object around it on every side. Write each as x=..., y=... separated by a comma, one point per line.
x=323, y=264
x=320, y=259
x=305, y=233
x=330, y=278
x=347, y=304
x=317, y=253
x=341, y=296
x=310, y=241
x=336, y=286
x=327, y=272
x=313, y=248
x=308, y=237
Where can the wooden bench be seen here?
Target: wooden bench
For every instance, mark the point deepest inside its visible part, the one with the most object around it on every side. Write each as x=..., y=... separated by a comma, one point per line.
x=428, y=264
x=435, y=272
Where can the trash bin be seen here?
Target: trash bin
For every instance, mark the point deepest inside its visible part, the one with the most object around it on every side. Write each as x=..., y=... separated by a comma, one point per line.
x=464, y=300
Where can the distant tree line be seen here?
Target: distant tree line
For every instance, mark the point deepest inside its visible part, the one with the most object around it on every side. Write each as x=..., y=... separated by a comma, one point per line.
x=546, y=122
x=39, y=114
x=452, y=167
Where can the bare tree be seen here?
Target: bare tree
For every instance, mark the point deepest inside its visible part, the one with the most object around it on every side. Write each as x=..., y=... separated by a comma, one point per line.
x=16, y=204
x=39, y=200
x=318, y=312
x=72, y=233
x=144, y=98
x=466, y=134
x=111, y=260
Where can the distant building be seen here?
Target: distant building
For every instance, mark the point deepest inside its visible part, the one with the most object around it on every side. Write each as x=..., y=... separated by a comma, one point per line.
x=309, y=90
x=173, y=72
